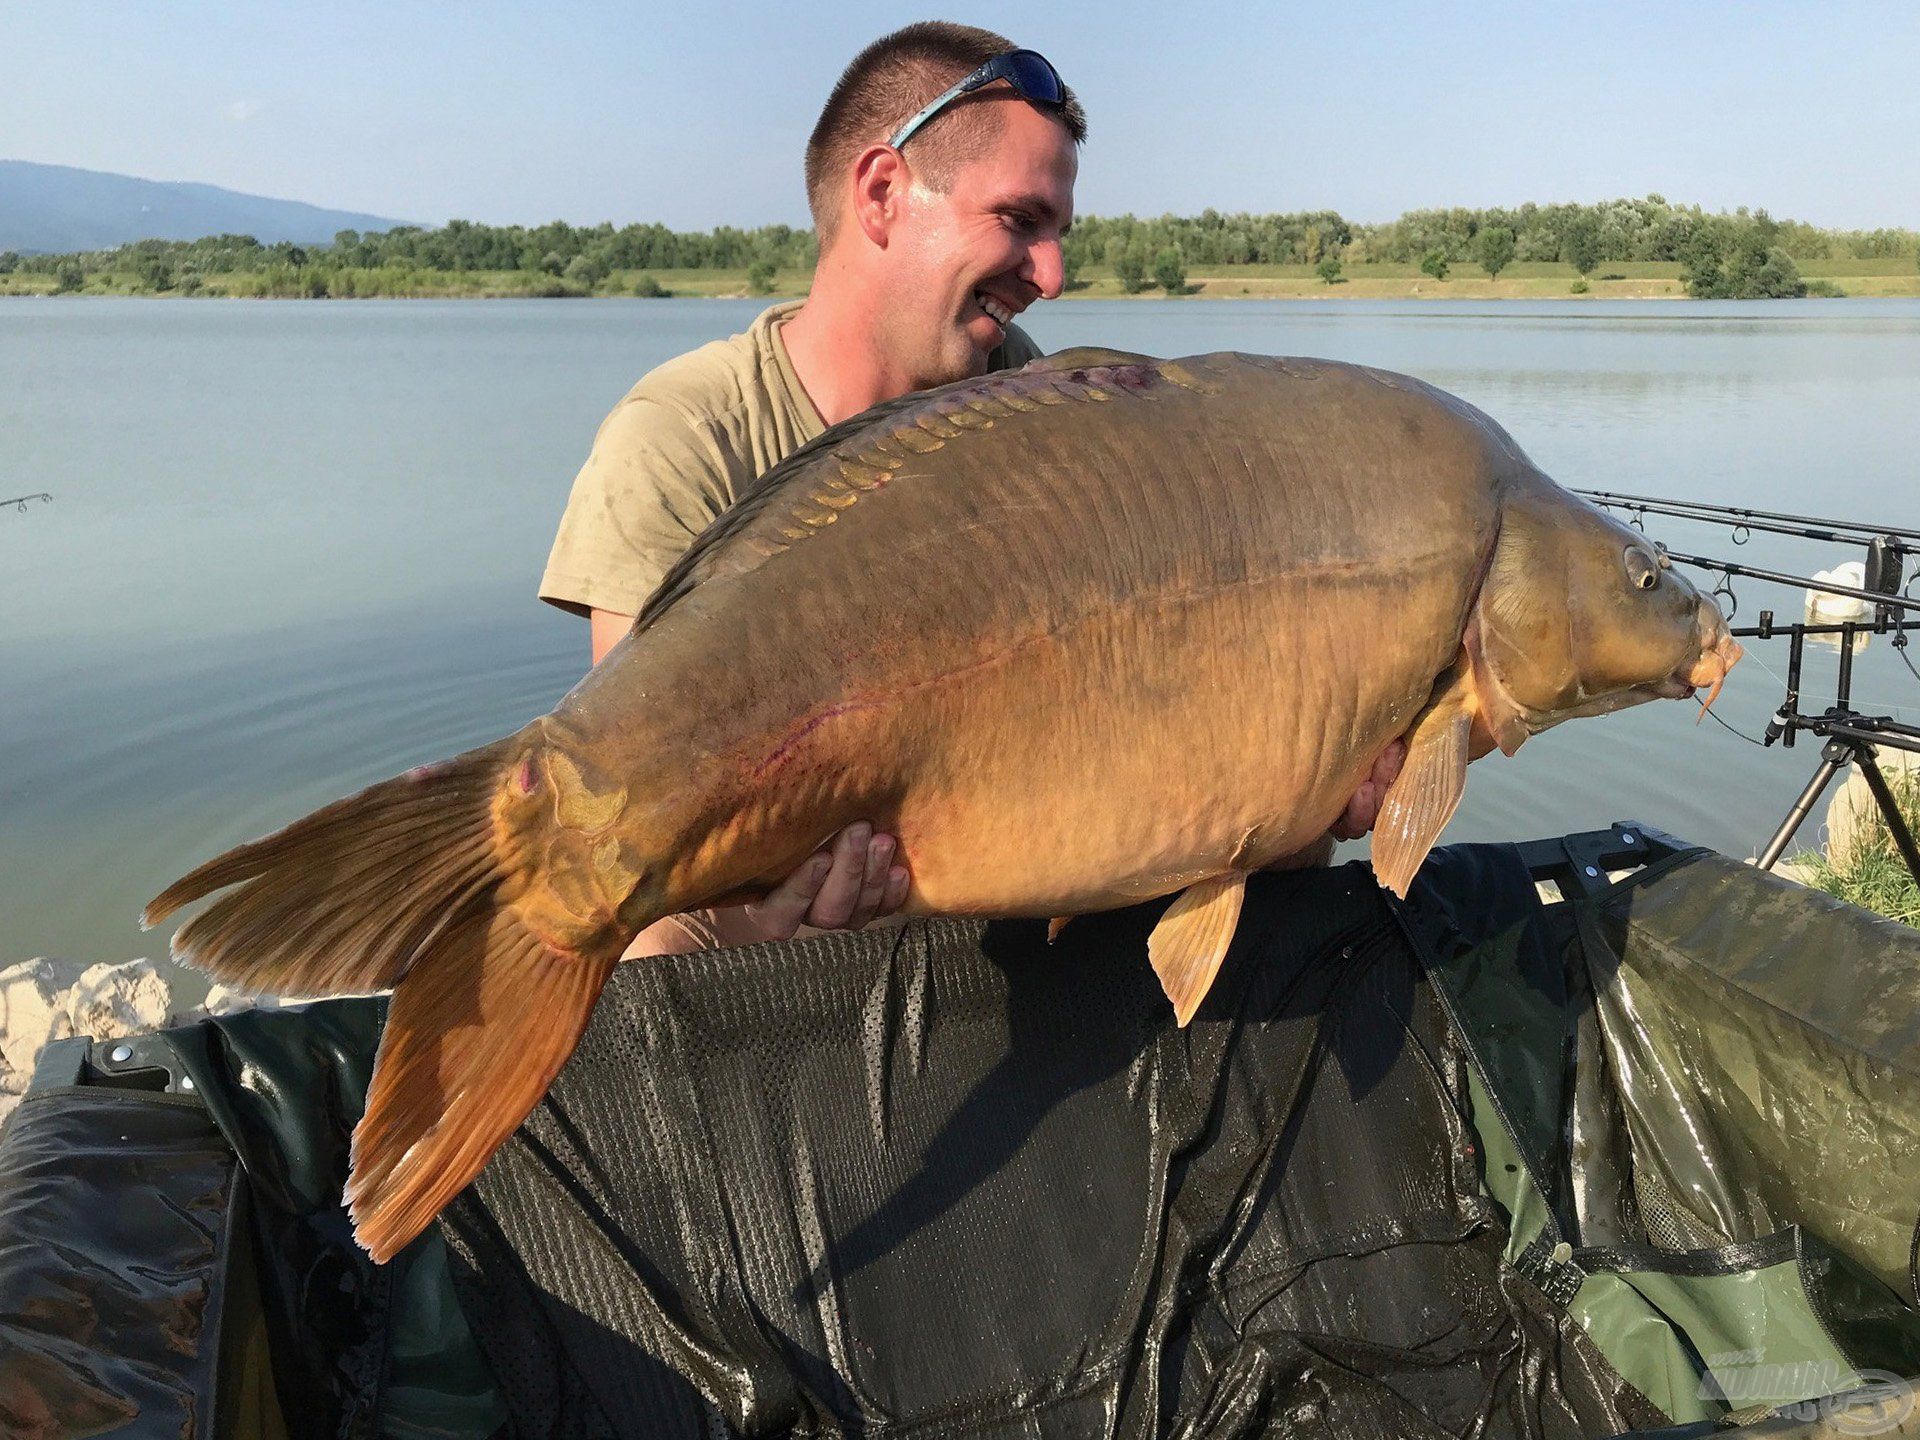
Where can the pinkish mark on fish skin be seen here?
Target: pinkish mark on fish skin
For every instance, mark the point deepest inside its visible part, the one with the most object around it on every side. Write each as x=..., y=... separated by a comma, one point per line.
x=525, y=778
x=420, y=774
x=780, y=753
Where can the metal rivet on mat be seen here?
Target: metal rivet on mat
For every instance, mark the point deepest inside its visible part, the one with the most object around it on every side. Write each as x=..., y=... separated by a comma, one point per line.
x=1592, y=871
x=186, y=1082
x=1346, y=952
x=1628, y=837
x=1562, y=1253
x=120, y=1054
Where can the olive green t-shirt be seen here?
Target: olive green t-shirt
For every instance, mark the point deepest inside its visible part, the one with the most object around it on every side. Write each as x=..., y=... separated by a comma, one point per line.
x=686, y=442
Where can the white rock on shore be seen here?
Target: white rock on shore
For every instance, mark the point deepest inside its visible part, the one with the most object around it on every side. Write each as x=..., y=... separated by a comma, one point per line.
x=1853, y=811
x=45, y=1000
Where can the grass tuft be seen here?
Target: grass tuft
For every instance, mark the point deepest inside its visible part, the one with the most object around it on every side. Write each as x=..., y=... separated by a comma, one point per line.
x=1872, y=875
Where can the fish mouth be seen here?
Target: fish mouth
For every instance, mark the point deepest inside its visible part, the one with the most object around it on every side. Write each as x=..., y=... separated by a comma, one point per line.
x=1709, y=669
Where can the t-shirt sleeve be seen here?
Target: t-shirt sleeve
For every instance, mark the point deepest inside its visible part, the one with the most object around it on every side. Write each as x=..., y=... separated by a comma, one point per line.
x=652, y=483
x=1016, y=350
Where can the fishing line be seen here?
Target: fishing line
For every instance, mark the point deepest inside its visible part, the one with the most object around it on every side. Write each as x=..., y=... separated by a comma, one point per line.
x=1731, y=731
x=1752, y=652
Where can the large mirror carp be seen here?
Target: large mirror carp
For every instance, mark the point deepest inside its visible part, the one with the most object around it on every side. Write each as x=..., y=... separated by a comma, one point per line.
x=1104, y=629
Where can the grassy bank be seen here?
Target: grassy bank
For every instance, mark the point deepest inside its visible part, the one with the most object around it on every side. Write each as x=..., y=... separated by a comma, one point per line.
x=1615, y=280
x=1869, y=872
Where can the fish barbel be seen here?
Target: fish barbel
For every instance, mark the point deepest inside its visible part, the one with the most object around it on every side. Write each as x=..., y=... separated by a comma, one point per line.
x=1104, y=629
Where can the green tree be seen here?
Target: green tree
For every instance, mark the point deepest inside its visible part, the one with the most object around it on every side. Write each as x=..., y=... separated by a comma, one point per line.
x=314, y=285
x=9, y=261
x=155, y=274
x=68, y=278
x=648, y=288
x=1329, y=269
x=1493, y=248
x=1434, y=263
x=1170, y=270
x=1131, y=267
x=1776, y=277
x=1701, y=268
x=760, y=277
x=1070, y=262
x=585, y=269
x=1580, y=245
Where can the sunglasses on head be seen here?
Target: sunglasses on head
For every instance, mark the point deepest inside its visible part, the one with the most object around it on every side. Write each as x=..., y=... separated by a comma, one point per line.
x=1033, y=79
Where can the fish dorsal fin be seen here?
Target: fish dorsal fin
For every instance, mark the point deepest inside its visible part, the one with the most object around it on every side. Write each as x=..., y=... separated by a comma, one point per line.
x=703, y=559
x=1425, y=794
x=696, y=561
x=1088, y=357
x=1191, y=940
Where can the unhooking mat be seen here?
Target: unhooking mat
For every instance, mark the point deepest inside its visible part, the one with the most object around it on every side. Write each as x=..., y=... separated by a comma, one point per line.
x=1403, y=1176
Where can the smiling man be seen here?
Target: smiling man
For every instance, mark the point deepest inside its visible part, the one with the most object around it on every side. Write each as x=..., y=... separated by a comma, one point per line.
x=940, y=175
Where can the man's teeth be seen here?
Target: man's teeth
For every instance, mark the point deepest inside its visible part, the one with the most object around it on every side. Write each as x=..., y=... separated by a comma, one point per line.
x=1001, y=315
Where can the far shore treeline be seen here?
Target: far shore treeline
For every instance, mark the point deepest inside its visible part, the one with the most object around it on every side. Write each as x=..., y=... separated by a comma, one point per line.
x=1708, y=255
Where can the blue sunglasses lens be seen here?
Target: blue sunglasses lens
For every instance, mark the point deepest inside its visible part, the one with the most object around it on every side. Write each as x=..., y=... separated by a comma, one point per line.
x=1033, y=77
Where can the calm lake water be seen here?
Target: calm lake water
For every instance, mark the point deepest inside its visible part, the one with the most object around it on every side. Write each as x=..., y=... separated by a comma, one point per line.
x=293, y=547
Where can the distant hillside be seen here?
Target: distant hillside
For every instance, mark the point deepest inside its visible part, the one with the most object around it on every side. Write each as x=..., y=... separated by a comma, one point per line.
x=58, y=209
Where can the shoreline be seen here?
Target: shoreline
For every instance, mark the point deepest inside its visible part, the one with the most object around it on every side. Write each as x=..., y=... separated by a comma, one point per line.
x=1384, y=282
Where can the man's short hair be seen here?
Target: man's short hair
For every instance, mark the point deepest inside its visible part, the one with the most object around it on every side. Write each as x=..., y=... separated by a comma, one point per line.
x=887, y=84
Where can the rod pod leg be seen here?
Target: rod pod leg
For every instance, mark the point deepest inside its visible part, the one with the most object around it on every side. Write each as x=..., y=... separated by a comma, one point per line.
x=1834, y=757
x=1889, y=810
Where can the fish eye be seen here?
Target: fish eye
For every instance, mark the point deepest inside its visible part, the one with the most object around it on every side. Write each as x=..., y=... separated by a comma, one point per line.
x=1642, y=571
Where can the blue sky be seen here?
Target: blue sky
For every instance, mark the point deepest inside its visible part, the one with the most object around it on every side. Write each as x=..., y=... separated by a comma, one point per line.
x=695, y=115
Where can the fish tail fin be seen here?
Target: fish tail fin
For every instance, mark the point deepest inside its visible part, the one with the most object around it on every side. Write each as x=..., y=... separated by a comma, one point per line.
x=476, y=1033
x=399, y=887
x=341, y=902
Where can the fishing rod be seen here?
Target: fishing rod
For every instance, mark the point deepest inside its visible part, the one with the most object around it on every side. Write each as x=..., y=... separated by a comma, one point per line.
x=1753, y=519
x=1851, y=736
x=1890, y=598
x=19, y=502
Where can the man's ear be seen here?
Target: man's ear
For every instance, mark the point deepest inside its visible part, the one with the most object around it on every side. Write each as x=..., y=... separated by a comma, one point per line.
x=880, y=182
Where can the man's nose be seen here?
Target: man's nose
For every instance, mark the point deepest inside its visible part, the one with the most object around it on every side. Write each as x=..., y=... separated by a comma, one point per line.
x=1045, y=269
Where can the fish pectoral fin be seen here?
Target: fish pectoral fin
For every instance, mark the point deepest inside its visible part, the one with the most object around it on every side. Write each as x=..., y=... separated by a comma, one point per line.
x=1423, y=797
x=1056, y=925
x=1191, y=940
x=477, y=1031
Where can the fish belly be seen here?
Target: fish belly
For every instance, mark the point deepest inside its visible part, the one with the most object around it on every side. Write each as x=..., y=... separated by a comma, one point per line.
x=1139, y=750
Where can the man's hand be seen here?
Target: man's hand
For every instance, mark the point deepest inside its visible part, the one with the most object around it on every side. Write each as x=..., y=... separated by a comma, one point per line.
x=1364, y=808
x=844, y=887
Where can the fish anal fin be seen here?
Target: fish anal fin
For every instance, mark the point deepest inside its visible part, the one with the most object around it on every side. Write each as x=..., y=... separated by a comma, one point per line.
x=476, y=1033
x=1191, y=940
x=1056, y=925
x=1424, y=795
